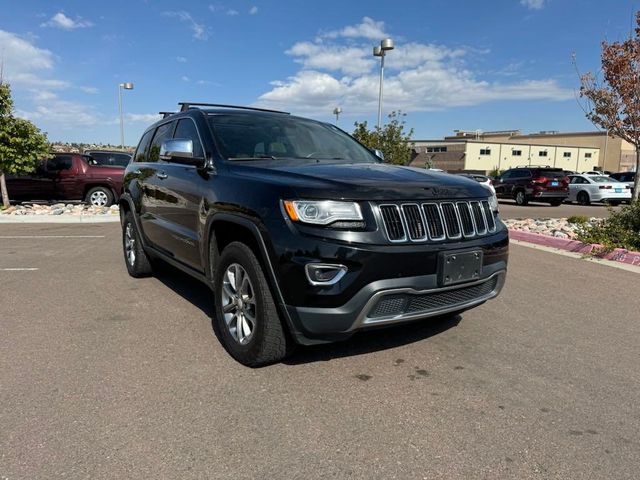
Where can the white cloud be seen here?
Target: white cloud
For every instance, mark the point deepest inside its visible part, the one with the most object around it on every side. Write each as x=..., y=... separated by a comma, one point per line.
x=91, y=90
x=142, y=117
x=198, y=30
x=420, y=77
x=184, y=78
x=253, y=10
x=232, y=13
x=24, y=63
x=181, y=59
x=60, y=20
x=533, y=4
x=368, y=28
x=50, y=109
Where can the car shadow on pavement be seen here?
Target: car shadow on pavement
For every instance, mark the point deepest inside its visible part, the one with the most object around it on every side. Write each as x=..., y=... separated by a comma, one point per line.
x=361, y=343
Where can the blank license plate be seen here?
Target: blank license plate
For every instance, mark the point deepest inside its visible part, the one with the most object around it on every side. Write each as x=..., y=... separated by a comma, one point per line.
x=618, y=190
x=554, y=184
x=460, y=267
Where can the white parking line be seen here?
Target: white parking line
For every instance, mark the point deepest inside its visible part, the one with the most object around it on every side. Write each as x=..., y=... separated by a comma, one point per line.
x=50, y=236
x=18, y=269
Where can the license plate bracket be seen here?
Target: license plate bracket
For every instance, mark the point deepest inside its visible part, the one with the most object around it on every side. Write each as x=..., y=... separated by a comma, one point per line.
x=459, y=267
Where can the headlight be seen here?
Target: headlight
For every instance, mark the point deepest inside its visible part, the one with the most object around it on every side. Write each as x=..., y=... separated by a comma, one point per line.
x=493, y=203
x=322, y=212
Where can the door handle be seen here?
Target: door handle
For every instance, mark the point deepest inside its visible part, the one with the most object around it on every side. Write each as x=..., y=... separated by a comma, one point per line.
x=161, y=175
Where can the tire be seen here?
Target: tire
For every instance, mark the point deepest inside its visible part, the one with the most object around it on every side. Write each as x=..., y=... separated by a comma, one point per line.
x=246, y=318
x=555, y=203
x=135, y=258
x=583, y=198
x=521, y=198
x=99, y=197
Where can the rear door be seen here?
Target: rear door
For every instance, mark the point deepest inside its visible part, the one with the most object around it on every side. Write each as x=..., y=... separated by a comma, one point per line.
x=151, y=180
x=64, y=170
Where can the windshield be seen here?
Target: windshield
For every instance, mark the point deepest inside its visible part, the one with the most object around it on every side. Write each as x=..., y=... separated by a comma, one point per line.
x=602, y=179
x=110, y=159
x=249, y=137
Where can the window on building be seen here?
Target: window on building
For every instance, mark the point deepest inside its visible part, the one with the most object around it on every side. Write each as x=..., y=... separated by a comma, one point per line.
x=485, y=151
x=542, y=153
x=516, y=153
x=436, y=149
x=566, y=154
x=587, y=155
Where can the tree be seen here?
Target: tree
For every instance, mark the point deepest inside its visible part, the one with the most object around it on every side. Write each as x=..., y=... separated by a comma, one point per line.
x=390, y=139
x=613, y=103
x=22, y=145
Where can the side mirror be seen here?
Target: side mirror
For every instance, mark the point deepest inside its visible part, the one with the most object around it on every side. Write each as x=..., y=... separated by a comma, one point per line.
x=179, y=150
x=378, y=153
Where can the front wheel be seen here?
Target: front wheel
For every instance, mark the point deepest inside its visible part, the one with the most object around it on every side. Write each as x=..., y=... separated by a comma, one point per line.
x=246, y=319
x=99, y=197
x=136, y=259
x=521, y=198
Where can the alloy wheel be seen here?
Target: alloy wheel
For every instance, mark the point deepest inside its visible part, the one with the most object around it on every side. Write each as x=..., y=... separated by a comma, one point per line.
x=98, y=199
x=238, y=303
x=130, y=244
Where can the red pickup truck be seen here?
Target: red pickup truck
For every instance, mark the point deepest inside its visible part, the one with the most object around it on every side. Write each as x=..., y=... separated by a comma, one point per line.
x=69, y=176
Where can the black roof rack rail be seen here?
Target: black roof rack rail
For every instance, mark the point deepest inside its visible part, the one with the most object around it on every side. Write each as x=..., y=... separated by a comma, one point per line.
x=535, y=166
x=166, y=114
x=187, y=105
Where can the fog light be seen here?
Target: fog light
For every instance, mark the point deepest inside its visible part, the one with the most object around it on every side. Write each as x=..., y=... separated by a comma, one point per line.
x=324, y=273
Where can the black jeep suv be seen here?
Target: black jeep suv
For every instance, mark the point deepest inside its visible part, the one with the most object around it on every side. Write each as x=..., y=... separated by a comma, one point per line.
x=533, y=183
x=302, y=233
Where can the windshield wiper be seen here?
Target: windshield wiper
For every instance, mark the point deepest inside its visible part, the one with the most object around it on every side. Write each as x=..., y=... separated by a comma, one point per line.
x=257, y=157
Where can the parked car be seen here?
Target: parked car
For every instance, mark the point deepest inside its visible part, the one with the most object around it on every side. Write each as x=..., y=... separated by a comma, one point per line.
x=481, y=179
x=109, y=158
x=625, y=177
x=585, y=189
x=302, y=233
x=533, y=183
x=68, y=176
x=596, y=172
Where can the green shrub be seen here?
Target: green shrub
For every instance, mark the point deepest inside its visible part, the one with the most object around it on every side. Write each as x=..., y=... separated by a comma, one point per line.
x=620, y=230
x=579, y=219
x=496, y=172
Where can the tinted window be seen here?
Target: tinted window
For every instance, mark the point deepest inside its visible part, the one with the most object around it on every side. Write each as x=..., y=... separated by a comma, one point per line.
x=61, y=162
x=141, y=151
x=162, y=133
x=110, y=159
x=186, y=128
x=507, y=174
x=257, y=136
x=549, y=173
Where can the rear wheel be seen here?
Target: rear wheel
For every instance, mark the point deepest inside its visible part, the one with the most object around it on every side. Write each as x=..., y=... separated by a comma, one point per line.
x=99, y=197
x=521, y=198
x=583, y=198
x=247, y=320
x=136, y=259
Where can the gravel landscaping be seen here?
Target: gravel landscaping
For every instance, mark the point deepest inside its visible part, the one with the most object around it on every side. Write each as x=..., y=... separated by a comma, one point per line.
x=554, y=227
x=73, y=209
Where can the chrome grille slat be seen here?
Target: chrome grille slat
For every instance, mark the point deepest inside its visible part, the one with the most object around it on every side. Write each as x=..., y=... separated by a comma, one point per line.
x=436, y=221
x=393, y=223
x=433, y=217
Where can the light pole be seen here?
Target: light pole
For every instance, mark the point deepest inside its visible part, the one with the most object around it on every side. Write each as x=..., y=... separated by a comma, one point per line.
x=126, y=86
x=380, y=51
x=337, y=111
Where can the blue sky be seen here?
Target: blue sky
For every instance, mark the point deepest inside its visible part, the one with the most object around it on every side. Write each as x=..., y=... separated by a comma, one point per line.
x=467, y=64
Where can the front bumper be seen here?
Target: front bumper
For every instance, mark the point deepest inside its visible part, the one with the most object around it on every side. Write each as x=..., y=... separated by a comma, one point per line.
x=397, y=300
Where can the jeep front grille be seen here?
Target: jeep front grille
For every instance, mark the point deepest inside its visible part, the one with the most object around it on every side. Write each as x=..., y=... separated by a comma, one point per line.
x=436, y=221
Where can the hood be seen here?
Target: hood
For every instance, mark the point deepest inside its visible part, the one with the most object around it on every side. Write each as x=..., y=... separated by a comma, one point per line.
x=361, y=181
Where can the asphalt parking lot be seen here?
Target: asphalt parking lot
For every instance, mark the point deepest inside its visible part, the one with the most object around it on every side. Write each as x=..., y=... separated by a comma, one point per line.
x=509, y=209
x=104, y=376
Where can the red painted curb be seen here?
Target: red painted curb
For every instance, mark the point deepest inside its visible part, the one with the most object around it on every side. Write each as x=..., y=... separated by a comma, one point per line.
x=617, y=255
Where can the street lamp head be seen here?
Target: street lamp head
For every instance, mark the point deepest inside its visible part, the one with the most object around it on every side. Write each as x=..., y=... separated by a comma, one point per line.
x=377, y=51
x=387, y=44
x=127, y=85
x=337, y=111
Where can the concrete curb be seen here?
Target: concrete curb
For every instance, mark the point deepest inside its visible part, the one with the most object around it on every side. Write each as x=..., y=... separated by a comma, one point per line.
x=617, y=255
x=105, y=218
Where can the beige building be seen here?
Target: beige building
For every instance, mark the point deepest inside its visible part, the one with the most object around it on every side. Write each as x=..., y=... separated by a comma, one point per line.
x=455, y=154
x=616, y=155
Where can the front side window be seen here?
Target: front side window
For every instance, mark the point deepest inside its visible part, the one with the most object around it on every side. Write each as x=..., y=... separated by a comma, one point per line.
x=162, y=133
x=186, y=128
x=250, y=137
x=141, y=151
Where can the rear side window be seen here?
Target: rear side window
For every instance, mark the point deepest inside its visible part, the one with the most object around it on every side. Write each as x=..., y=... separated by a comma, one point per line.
x=550, y=173
x=61, y=162
x=162, y=133
x=187, y=129
x=141, y=151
